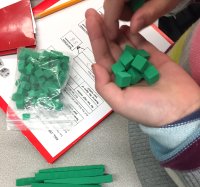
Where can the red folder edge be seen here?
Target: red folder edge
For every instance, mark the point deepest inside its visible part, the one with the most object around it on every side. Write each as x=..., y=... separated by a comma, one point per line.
x=21, y=18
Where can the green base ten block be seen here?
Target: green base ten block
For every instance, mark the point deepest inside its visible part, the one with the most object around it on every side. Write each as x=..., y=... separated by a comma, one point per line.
x=69, y=174
x=72, y=168
x=26, y=181
x=62, y=185
x=82, y=180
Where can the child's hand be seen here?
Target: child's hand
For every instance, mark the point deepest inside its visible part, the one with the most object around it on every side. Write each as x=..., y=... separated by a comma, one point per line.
x=144, y=16
x=174, y=96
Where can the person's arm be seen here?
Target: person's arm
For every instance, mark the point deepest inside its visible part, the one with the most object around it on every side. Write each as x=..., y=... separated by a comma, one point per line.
x=174, y=99
x=161, y=103
x=177, y=145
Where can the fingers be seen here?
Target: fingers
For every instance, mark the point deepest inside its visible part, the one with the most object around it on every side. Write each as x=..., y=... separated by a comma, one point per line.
x=111, y=93
x=112, y=13
x=157, y=58
x=97, y=38
x=103, y=52
x=150, y=12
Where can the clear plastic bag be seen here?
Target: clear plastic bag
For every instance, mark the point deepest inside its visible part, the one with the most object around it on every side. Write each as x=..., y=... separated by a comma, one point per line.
x=37, y=98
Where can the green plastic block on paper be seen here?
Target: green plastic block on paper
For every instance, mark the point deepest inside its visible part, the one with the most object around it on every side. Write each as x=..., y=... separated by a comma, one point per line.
x=23, y=53
x=56, y=54
x=58, y=105
x=25, y=85
x=32, y=93
x=131, y=50
x=151, y=75
x=63, y=185
x=69, y=174
x=20, y=90
x=123, y=79
x=143, y=53
x=25, y=181
x=38, y=73
x=72, y=168
x=117, y=67
x=41, y=81
x=48, y=73
x=20, y=104
x=21, y=65
x=139, y=63
x=126, y=58
x=26, y=116
x=45, y=54
x=16, y=97
x=29, y=69
x=24, y=77
x=135, y=76
x=82, y=180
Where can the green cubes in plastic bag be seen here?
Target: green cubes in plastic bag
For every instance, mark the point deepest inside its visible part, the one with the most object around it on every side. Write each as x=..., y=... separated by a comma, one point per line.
x=43, y=74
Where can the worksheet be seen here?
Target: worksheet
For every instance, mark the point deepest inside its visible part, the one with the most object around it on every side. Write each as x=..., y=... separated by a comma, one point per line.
x=66, y=31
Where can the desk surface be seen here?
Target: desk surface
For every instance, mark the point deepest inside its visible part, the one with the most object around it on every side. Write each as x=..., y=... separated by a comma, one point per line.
x=107, y=144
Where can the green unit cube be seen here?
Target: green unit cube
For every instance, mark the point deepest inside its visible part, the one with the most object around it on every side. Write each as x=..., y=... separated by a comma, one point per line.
x=41, y=81
x=131, y=50
x=33, y=79
x=123, y=79
x=117, y=67
x=48, y=73
x=143, y=53
x=16, y=97
x=65, y=59
x=20, y=104
x=58, y=105
x=23, y=77
x=21, y=66
x=23, y=53
x=56, y=54
x=20, y=90
x=139, y=63
x=45, y=54
x=151, y=74
x=126, y=58
x=38, y=73
x=32, y=93
x=29, y=69
x=26, y=116
x=136, y=4
x=25, y=85
x=135, y=76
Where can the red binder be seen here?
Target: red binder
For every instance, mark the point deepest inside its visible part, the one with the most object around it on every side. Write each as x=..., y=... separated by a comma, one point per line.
x=16, y=27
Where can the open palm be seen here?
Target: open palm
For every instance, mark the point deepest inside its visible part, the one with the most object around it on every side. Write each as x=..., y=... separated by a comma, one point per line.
x=174, y=96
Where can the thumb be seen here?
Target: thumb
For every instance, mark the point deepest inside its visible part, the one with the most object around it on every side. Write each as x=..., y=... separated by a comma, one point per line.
x=111, y=93
x=150, y=12
x=102, y=77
